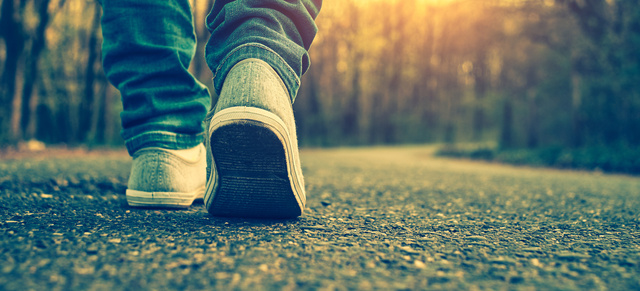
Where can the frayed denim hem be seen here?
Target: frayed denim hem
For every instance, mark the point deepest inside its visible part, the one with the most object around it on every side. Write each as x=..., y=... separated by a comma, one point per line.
x=162, y=139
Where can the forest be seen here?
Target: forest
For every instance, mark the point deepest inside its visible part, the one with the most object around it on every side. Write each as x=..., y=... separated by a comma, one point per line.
x=559, y=77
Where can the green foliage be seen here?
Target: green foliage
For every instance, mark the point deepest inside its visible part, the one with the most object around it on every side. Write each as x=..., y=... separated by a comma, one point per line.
x=618, y=158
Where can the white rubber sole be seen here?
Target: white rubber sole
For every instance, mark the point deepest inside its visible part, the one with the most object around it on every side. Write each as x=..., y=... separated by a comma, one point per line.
x=259, y=203
x=179, y=200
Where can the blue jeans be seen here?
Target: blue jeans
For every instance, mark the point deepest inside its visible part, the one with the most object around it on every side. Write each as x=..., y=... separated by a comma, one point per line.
x=149, y=44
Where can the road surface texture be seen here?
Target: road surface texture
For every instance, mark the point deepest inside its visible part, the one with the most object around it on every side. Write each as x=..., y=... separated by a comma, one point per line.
x=377, y=218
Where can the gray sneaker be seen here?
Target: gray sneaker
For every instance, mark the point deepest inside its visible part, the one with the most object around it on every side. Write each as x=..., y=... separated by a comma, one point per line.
x=160, y=178
x=252, y=147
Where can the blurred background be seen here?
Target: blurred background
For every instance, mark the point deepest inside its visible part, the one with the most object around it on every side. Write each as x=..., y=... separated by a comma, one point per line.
x=549, y=82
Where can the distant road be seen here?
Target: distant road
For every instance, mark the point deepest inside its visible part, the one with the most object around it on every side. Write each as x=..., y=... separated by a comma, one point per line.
x=377, y=218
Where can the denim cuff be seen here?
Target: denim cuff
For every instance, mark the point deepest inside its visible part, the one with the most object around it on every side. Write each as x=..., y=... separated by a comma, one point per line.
x=262, y=52
x=163, y=139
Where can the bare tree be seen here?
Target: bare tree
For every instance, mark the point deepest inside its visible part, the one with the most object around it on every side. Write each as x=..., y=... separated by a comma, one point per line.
x=12, y=31
x=87, y=107
x=37, y=45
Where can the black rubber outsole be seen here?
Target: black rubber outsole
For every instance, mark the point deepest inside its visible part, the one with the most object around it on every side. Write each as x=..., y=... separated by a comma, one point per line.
x=253, y=179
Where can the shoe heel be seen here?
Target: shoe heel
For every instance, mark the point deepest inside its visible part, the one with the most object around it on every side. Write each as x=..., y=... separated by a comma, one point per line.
x=253, y=180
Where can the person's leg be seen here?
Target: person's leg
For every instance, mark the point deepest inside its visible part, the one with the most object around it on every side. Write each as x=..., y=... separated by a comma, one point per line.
x=258, y=52
x=147, y=48
x=278, y=32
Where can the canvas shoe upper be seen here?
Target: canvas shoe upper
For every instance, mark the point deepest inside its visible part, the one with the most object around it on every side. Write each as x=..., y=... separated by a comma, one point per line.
x=163, y=178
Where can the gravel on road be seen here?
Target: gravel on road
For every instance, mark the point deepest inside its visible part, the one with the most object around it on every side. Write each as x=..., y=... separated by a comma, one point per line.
x=377, y=218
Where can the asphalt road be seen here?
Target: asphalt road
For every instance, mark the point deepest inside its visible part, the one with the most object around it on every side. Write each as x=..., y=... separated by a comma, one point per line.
x=377, y=218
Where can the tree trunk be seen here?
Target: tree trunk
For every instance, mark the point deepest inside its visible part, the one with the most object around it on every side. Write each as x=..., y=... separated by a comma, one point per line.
x=576, y=118
x=112, y=127
x=480, y=88
x=425, y=97
x=506, y=133
x=31, y=70
x=350, y=118
x=87, y=107
x=317, y=116
x=393, y=27
x=350, y=115
x=12, y=32
x=532, y=126
x=99, y=121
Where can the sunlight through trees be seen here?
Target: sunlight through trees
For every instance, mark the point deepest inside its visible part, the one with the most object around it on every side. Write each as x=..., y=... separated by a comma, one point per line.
x=515, y=73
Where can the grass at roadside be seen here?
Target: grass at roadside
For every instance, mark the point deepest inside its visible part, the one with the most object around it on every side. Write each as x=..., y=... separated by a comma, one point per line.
x=616, y=159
